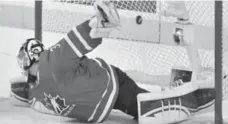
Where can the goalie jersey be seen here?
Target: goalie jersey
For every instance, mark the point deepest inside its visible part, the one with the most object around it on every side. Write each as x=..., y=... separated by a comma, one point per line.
x=72, y=85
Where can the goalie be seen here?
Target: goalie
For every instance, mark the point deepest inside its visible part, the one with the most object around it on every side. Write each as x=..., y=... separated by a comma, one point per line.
x=62, y=81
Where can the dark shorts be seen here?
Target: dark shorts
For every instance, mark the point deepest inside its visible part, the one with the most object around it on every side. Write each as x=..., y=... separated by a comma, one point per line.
x=128, y=91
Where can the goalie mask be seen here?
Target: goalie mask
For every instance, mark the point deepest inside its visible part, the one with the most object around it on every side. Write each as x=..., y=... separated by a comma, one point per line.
x=29, y=53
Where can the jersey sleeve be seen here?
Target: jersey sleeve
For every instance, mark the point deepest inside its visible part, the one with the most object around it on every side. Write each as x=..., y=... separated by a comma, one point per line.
x=76, y=43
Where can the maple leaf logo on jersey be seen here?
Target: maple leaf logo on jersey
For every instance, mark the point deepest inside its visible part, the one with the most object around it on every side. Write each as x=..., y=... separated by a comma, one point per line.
x=57, y=103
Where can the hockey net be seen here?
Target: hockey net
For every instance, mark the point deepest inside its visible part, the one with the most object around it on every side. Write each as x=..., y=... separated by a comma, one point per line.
x=127, y=49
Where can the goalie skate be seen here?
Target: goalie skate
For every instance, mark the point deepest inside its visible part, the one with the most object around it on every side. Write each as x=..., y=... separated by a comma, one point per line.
x=173, y=105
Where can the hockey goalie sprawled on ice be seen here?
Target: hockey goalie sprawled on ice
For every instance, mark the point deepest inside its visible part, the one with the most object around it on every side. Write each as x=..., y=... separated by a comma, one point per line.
x=62, y=81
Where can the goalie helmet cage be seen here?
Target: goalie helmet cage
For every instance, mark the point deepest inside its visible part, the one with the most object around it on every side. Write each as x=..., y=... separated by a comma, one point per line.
x=220, y=13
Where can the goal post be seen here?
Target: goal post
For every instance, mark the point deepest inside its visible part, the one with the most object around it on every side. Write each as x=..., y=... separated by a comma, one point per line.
x=218, y=63
x=38, y=20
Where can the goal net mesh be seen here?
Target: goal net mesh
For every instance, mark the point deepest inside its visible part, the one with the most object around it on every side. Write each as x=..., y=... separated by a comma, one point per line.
x=135, y=53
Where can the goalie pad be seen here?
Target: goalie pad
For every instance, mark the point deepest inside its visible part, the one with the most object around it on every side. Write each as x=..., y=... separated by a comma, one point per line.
x=19, y=91
x=173, y=105
x=106, y=20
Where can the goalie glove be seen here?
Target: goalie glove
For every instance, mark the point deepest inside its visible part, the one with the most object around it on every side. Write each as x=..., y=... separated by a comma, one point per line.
x=106, y=20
